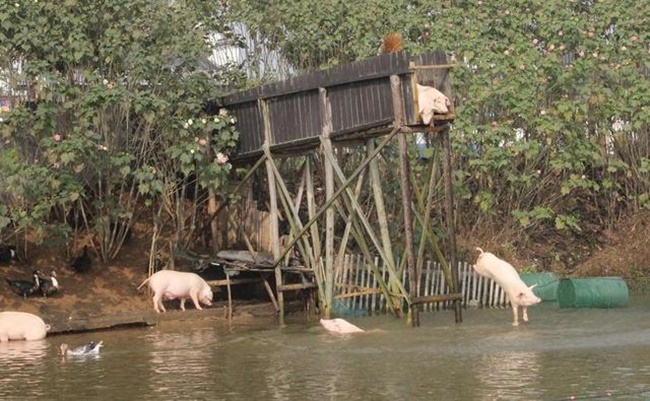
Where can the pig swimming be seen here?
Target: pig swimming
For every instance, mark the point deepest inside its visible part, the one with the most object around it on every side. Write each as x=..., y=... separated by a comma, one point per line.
x=340, y=326
x=171, y=284
x=502, y=272
x=21, y=326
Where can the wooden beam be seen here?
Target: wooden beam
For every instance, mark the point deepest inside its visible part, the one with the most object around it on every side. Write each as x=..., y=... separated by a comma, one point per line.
x=328, y=256
x=273, y=212
x=449, y=214
x=298, y=286
x=398, y=108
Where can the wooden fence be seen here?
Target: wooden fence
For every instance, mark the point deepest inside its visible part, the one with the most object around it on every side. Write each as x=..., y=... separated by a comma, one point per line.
x=357, y=291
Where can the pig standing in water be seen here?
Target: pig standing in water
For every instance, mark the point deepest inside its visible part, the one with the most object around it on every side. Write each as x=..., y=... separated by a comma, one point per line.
x=21, y=326
x=170, y=284
x=502, y=272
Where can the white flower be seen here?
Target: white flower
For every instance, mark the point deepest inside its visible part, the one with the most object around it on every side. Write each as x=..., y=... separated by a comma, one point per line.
x=190, y=122
x=185, y=125
x=232, y=120
x=221, y=158
x=105, y=81
x=192, y=151
x=204, y=121
x=216, y=119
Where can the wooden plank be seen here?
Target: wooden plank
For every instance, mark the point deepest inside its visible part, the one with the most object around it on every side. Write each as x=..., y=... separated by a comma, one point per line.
x=438, y=298
x=236, y=281
x=298, y=286
x=366, y=291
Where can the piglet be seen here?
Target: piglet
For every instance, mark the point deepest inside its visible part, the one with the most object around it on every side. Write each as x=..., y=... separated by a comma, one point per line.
x=502, y=272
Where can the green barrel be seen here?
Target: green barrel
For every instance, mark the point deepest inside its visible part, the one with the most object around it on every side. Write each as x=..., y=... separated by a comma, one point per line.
x=592, y=292
x=546, y=284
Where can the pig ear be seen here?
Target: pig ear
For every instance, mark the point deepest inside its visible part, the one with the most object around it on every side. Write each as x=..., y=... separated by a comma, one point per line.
x=533, y=286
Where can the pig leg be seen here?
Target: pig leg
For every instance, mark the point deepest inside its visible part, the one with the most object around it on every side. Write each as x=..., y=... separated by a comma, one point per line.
x=515, y=315
x=157, y=302
x=195, y=299
x=183, y=304
x=525, y=309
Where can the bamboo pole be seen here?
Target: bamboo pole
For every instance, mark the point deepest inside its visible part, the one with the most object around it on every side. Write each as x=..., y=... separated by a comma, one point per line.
x=326, y=117
x=337, y=193
x=273, y=215
x=449, y=211
x=398, y=108
x=376, y=184
x=390, y=264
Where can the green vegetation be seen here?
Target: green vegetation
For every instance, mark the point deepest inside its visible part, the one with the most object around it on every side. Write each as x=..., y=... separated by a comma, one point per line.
x=551, y=142
x=116, y=118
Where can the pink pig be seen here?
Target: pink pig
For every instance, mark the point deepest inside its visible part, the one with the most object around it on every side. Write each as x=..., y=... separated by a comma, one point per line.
x=502, y=272
x=21, y=326
x=170, y=284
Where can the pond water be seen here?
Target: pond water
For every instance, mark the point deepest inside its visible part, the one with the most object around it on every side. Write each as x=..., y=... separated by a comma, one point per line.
x=561, y=353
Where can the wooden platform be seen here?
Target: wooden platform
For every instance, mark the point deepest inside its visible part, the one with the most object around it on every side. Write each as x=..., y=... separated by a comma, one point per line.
x=289, y=114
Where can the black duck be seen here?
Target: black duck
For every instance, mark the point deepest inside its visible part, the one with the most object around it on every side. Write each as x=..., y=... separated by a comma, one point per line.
x=82, y=263
x=25, y=287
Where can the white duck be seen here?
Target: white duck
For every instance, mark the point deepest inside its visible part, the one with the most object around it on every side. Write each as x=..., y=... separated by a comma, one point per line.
x=92, y=348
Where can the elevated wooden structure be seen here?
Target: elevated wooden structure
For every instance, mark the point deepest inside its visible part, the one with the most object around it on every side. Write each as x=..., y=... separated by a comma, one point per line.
x=365, y=104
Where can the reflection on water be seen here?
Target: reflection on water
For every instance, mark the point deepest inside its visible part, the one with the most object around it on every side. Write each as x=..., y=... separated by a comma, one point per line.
x=560, y=354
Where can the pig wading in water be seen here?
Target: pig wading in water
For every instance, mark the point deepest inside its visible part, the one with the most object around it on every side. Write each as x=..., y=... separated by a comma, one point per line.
x=21, y=326
x=170, y=284
x=502, y=272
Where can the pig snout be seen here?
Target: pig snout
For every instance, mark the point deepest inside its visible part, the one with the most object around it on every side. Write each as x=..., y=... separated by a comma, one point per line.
x=527, y=298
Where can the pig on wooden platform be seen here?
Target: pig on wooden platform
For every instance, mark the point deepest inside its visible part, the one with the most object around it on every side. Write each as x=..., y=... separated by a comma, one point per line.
x=502, y=272
x=171, y=284
x=21, y=326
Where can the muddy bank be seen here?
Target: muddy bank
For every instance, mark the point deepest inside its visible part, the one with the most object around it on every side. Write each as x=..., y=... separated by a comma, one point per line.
x=79, y=322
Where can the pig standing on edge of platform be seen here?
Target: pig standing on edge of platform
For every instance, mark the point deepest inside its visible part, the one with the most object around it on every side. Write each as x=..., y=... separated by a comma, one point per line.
x=171, y=284
x=21, y=326
x=502, y=272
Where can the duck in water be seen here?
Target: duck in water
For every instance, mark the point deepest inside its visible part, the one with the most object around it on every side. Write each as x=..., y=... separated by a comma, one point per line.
x=92, y=348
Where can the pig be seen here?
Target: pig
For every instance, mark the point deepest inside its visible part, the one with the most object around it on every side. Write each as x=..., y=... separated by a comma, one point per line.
x=170, y=284
x=502, y=272
x=339, y=326
x=22, y=326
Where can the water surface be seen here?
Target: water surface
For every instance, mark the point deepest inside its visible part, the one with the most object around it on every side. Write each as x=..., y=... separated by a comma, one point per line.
x=562, y=353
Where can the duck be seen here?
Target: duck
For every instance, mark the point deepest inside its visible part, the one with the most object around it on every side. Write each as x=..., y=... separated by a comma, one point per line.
x=49, y=285
x=82, y=263
x=7, y=253
x=92, y=348
x=25, y=287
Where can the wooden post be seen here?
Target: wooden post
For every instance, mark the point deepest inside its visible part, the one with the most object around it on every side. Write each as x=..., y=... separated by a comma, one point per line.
x=273, y=212
x=328, y=254
x=398, y=108
x=451, y=231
